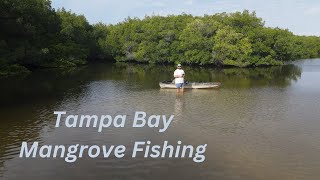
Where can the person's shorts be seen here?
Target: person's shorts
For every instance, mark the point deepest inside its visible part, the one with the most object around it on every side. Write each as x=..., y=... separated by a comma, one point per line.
x=179, y=85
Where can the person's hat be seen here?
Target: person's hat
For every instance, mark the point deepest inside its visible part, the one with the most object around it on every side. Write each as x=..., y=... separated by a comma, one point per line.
x=179, y=65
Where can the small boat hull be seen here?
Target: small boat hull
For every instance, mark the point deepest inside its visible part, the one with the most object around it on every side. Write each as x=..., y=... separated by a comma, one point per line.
x=190, y=85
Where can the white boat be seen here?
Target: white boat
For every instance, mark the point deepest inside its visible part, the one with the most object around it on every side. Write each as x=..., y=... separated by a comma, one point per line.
x=190, y=85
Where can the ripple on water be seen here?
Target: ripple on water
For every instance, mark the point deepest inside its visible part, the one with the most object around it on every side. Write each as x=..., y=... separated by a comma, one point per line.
x=264, y=131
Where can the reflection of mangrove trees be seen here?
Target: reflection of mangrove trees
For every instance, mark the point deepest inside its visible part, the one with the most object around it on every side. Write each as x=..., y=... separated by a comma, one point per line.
x=280, y=76
x=55, y=83
x=43, y=89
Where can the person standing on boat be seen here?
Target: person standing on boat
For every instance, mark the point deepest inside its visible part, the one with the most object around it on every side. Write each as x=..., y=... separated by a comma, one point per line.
x=179, y=78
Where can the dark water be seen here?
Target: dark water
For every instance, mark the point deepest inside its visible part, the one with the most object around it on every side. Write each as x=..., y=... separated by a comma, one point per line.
x=263, y=123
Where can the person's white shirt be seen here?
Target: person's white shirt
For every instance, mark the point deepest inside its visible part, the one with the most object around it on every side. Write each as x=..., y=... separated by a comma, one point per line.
x=179, y=73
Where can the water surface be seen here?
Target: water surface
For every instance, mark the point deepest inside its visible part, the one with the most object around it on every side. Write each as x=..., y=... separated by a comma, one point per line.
x=263, y=123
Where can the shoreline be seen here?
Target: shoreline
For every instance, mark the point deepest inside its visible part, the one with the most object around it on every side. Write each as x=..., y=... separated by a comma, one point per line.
x=26, y=71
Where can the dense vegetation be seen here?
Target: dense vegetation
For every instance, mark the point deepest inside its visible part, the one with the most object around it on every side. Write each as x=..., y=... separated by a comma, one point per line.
x=237, y=39
x=34, y=35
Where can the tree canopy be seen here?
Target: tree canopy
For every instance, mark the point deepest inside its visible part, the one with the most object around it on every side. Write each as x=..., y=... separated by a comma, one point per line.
x=35, y=35
x=235, y=39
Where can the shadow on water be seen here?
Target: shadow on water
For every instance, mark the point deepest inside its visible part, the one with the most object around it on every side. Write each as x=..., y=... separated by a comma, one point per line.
x=26, y=102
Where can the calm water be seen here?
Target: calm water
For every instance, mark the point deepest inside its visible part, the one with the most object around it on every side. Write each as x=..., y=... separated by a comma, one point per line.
x=263, y=123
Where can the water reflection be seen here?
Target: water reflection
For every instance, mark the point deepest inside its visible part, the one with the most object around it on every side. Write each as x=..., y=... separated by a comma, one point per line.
x=243, y=114
x=178, y=105
x=53, y=84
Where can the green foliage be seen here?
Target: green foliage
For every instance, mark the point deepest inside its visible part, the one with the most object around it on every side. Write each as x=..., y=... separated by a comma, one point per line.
x=25, y=28
x=101, y=50
x=235, y=39
x=231, y=48
x=34, y=35
x=13, y=69
x=76, y=38
x=196, y=41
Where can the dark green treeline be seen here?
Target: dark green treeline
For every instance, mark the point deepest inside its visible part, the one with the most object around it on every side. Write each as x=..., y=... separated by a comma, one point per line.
x=34, y=35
